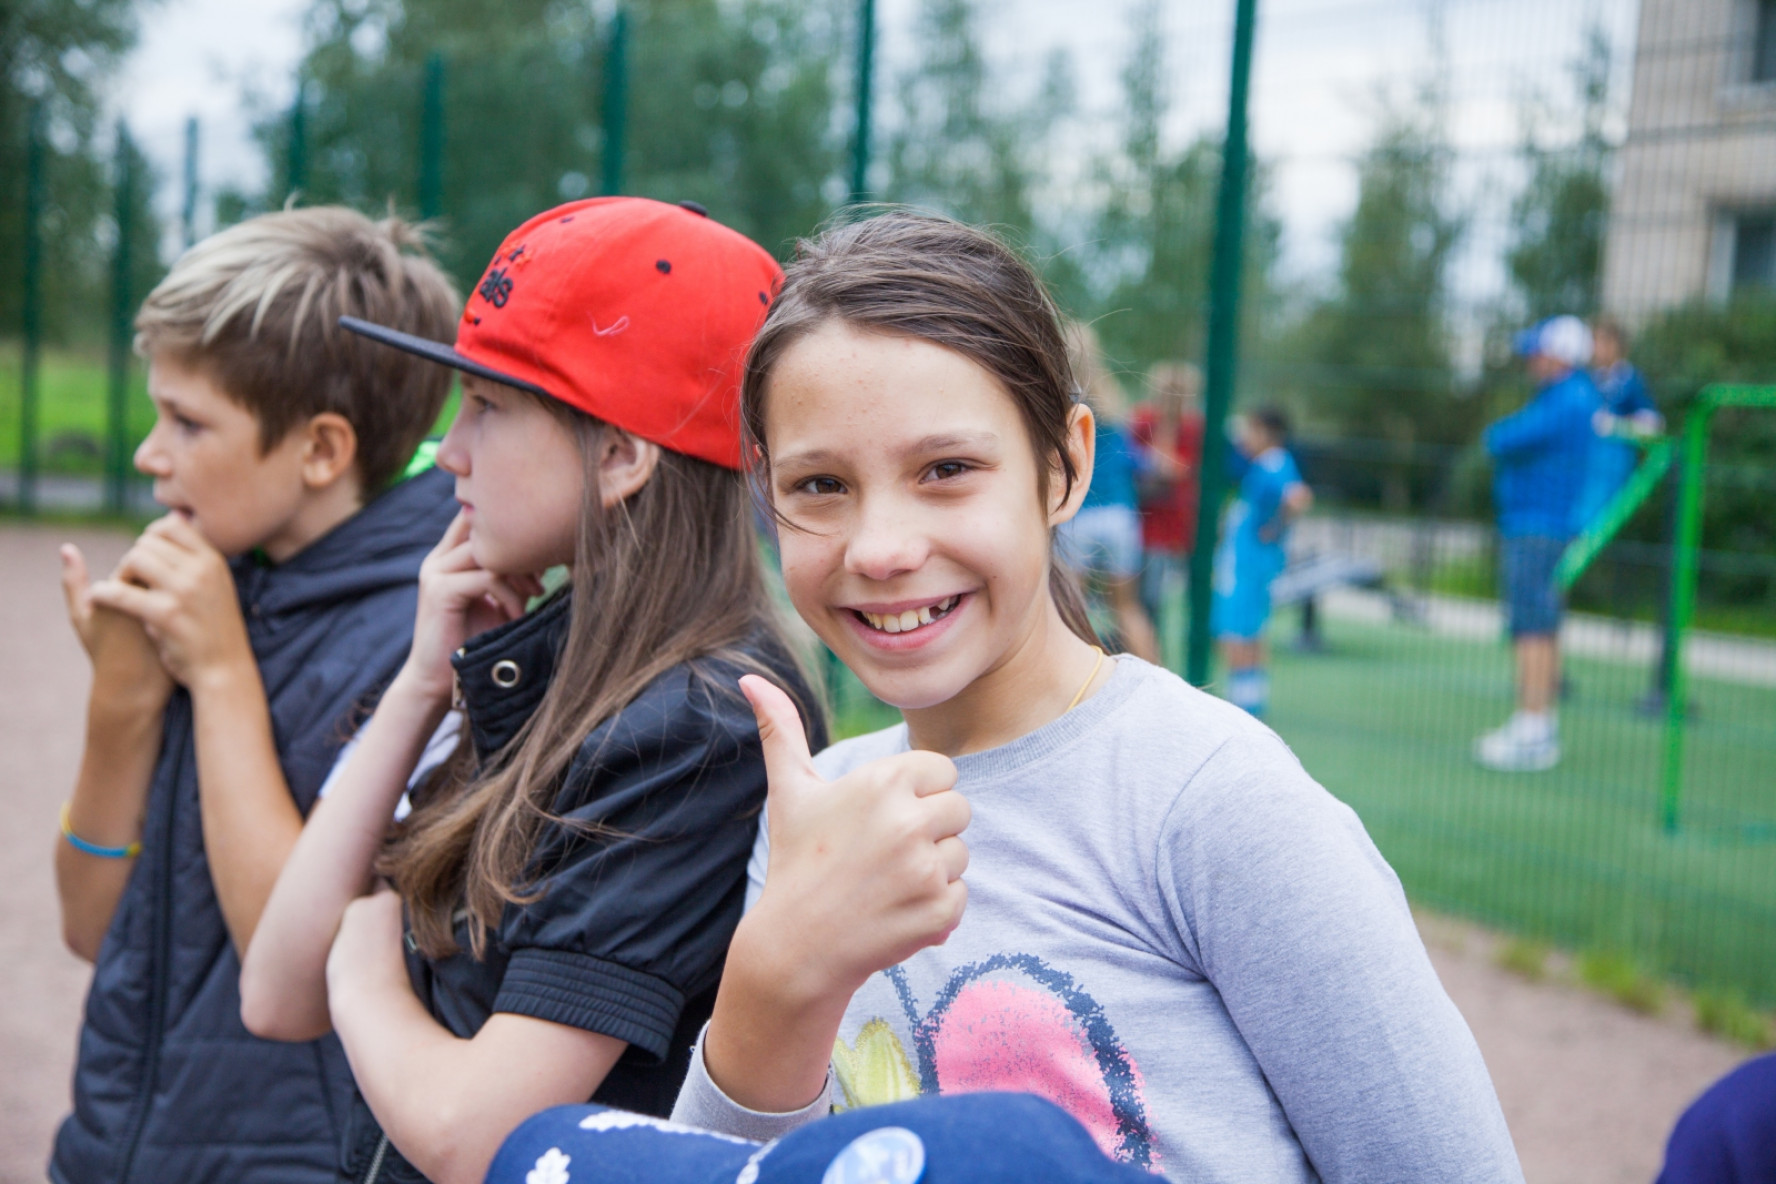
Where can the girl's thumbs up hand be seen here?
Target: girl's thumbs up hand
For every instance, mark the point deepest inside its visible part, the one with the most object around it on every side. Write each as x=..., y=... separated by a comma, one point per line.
x=864, y=871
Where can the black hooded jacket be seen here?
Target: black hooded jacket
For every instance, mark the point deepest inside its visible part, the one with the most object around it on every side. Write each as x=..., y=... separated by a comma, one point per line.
x=169, y=1086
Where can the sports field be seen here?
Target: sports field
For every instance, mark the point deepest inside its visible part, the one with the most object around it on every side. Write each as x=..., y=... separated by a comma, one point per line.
x=71, y=408
x=1385, y=717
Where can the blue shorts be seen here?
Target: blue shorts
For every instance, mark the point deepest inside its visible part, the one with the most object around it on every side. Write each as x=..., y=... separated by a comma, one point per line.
x=1241, y=612
x=1105, y=540
x=1532, y=601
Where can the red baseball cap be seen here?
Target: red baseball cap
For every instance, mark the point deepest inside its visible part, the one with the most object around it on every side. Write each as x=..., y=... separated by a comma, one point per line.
x=637, y=312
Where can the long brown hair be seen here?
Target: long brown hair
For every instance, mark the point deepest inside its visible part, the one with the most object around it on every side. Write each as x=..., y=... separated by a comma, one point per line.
x=926, y=276
x=668, y=576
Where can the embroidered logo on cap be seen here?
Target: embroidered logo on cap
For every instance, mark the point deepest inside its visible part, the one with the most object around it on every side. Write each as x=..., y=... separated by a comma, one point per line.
x=496, y=287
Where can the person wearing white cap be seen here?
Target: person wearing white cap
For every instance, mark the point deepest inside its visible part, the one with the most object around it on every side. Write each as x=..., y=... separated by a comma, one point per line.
x=1540, y=455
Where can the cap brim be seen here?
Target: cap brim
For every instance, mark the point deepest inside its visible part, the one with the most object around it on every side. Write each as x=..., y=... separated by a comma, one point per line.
x=436, y=351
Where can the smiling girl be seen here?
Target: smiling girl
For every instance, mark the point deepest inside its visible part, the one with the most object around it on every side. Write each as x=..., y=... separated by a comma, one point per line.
x=567, y=883
x=1166, y=926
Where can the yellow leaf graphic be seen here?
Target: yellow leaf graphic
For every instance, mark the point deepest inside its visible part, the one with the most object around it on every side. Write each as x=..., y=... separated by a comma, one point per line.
x=874, y=1070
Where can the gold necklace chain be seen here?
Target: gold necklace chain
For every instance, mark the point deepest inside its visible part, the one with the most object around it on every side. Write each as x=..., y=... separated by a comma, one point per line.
x=1080, y=693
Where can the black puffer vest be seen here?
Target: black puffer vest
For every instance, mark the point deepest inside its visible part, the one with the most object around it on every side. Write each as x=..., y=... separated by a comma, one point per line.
x=169, y=1086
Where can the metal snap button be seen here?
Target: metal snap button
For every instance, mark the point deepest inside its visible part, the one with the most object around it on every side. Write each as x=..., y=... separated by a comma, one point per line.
x=505, y=674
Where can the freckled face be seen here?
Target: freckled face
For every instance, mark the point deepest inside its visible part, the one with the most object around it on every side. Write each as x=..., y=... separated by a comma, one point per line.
x=204, y=456
x=519, y=476
x=918, y=544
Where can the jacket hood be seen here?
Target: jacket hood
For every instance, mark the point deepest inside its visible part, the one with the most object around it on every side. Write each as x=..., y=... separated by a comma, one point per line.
x=372, y=550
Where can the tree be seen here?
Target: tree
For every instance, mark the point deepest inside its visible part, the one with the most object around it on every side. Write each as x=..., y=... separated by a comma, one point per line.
x=1156, y=231
x=58, y=52
x=729, y=105
x=1683, y=350
x=954, y=147
x=1559, y=218
x=1375, y=354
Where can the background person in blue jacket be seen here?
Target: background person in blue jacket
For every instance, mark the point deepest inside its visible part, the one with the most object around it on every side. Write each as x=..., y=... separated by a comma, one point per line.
x=233, y=651
x=1540, y=459
x=1627, y=414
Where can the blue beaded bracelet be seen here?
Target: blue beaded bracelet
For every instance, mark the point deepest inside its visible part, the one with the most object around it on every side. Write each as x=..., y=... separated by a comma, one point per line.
x=80, y=844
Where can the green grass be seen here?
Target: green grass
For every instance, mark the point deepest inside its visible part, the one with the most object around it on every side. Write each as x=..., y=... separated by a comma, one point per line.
x=1729, y=1016
x=1524, y=956
x=1575, y=856
x=71, y=409
x=1617, y=975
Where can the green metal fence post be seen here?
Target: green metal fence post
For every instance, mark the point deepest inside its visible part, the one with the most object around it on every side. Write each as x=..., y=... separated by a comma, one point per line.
x=1653, y=703
x=1683, y=601
x=866, y=64
x=431, y=139
x=188, y=208
x=33, y=311
x=1685, y=567
x=616, y=104
x=117, y=402
x=1223, y=338
x=296, y=161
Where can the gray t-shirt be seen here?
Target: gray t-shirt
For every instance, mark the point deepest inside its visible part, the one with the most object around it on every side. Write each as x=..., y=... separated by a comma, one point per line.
x=1175, y=934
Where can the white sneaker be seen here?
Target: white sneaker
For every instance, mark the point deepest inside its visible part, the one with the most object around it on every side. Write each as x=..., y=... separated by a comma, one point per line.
x=1518, y=749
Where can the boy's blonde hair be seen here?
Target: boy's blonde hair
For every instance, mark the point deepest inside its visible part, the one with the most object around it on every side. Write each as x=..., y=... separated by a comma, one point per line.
x=257, y=308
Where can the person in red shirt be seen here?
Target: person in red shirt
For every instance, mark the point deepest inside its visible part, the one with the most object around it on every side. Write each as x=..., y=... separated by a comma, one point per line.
x=1168, y=429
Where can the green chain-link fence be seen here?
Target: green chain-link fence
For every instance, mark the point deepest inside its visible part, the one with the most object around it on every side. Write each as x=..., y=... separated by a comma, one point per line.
x=1421, y=179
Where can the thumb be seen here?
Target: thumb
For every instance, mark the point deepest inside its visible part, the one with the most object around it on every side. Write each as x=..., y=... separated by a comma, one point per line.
x=787, y=759
x=75, y=580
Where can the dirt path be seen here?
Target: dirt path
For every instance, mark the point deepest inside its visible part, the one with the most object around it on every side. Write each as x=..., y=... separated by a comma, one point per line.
x=1590, y=1090
x=43, y=681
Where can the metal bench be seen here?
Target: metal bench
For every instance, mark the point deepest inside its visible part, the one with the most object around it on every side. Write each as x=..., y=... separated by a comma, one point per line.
x=1303, y=581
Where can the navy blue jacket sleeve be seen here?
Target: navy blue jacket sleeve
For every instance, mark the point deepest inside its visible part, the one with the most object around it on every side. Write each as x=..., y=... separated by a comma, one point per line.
x=641, y=882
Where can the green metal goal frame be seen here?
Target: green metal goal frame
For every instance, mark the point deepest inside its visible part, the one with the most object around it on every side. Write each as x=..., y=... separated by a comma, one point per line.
x=1685, y=570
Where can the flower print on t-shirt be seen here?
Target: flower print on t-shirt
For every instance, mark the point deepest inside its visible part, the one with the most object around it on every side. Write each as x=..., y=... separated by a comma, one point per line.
x=1009, y=1022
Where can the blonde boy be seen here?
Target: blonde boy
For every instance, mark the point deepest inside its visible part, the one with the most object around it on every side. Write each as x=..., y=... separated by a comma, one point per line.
x=232, y=651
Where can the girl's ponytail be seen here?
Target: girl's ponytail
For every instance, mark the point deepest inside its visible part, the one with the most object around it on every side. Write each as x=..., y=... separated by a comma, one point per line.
x=1063, y=585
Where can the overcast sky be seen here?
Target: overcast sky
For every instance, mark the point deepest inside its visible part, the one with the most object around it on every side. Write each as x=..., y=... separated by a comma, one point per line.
x=1318, y=68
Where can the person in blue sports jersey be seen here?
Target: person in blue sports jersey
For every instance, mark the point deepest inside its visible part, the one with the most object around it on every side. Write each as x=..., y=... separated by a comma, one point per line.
x=1627, y=414
x=1540, y=456
x=1251, y=555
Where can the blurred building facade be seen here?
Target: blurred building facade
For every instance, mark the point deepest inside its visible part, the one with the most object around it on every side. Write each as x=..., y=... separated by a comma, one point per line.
x=1694, y=212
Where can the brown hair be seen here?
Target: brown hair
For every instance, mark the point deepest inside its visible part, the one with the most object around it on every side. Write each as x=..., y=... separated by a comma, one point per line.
x=669, y=576
x=1605, y=325
x=929, y=277
x=257, y=308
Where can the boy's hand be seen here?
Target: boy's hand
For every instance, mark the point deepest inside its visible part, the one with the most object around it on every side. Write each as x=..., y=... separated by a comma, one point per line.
x=179, y=587
x=864, y=871
x=125, y=662
x=458, y=599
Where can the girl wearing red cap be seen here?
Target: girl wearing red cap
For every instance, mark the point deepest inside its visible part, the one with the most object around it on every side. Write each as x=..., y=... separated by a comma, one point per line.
x=1064, y=873
x=565, y=886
